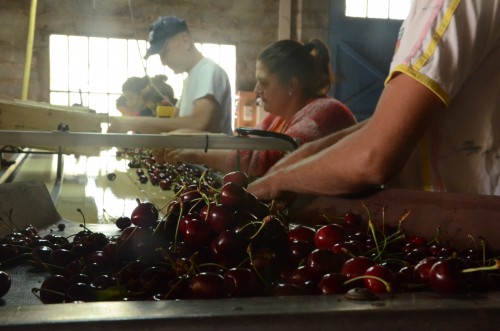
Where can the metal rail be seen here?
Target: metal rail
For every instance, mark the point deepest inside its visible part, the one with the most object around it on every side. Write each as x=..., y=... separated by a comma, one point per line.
x=187, y=141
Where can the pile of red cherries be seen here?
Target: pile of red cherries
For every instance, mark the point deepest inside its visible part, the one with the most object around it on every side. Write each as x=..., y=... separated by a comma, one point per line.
x=219, y=241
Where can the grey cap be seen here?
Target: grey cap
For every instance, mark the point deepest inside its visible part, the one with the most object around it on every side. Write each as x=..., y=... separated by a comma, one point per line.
x=162, y=29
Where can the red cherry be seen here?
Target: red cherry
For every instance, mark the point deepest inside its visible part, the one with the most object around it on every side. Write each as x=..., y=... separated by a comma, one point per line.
x=242, y=282
x=324, y=261
x=123, y=222
x=422, y=269
x=301, y=233
x=220, y=218
x=165, y=184
x=53, y=289
x=418, y=240
x=352, y=220
x=228, y=246
x=347, y=249
x=144, y=215
x=356, y=267
x=446, y=276
x=329, y=235
x=332, y=283
x=207, y=285
x=192, y=200
x=305, y=277
x=197, y=233
x=238, y=177
x=374, y=285
x=299, y=251
x=233, y=195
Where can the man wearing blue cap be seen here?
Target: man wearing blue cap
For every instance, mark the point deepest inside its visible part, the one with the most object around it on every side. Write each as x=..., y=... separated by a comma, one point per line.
x=205, y=104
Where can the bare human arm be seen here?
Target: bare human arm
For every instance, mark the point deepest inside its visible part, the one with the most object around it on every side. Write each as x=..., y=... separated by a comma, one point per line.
x=315, y=146
x=202, y=119
x=369, y=156
x=214, y=159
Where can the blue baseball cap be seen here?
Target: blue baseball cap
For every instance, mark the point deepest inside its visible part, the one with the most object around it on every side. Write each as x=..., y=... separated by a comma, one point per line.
x=162, y=29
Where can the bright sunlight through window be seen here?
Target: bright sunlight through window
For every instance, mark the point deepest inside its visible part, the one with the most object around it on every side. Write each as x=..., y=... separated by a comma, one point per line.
x=384, y=9
x=90, y=71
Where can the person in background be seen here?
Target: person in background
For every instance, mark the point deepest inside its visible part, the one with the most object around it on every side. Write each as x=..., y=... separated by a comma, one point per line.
x=292, y=83
x=436, y=125
x=205, y=103
x=143, y=94
x=121, y=106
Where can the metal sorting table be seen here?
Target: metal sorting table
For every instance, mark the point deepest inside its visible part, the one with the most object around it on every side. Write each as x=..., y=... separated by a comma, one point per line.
x=458, y=214
x=19, y=309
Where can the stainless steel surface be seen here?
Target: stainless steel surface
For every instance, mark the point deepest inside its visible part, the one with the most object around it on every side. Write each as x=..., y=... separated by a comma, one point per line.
x=402, y=312
x=84, y=185
x=192, y=141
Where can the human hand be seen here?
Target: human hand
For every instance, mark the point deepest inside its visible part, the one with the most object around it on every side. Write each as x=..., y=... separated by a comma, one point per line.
x=174, y=156
x=158, y=154
x=267, y=187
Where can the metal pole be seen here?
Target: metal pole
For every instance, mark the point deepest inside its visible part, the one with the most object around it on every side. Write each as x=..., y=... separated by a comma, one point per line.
x=29, y=51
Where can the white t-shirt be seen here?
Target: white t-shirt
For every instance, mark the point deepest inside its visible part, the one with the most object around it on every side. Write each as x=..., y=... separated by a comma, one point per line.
x=453, y=48
x=208, y=78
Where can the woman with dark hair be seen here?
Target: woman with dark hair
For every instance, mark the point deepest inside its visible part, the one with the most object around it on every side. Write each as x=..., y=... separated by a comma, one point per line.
x=293, y=80
x=143, y=94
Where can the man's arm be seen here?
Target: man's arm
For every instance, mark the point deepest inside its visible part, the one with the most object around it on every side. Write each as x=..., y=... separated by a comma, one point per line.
x=315, y=146
x=369, y=156
x=205, y=111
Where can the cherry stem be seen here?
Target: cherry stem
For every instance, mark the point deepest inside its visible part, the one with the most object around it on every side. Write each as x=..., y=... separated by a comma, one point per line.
x=177, y=226
x=263, y=223
x=374, y=235
x=84, y=226
x=403, y=218
x=35, y=291
x=495, y=266
x=250, y=256
x=172, y=288
x=436, y=237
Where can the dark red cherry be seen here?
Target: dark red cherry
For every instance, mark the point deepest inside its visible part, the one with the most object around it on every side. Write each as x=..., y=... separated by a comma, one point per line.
x=207, y=285
x=144, y=215
x=299, y=251
x=446, y=276
x=422, y=269
x=301, y=233
x=229, y=246
x=329, y=235
x=233, y=195
x=324, y=261
x=220, y=218
x=238, y=177
x=242, y=282
x=352, y=220
x=123, y=222
x=374, y=285
x=53, y=289
x=356, y=267
x=197, y=233
x=332, y=283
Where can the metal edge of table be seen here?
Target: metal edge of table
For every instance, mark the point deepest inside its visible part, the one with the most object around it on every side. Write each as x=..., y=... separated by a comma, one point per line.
x=401, y=311
x=195, y=141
